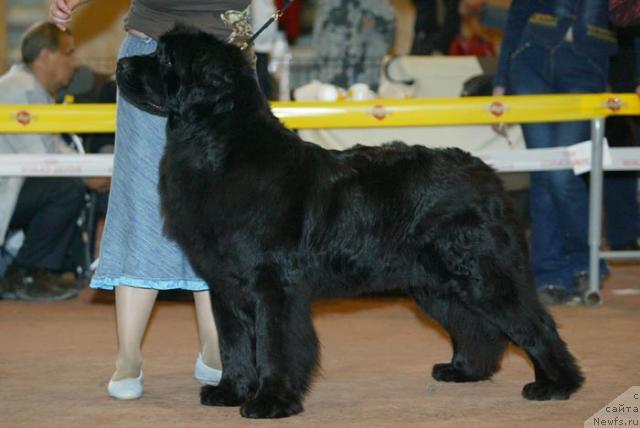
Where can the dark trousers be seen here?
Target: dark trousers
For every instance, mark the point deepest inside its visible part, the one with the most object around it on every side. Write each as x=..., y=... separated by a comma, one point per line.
x=47, y=211
x=428, y=34
x=622, y=212
x=558, y=199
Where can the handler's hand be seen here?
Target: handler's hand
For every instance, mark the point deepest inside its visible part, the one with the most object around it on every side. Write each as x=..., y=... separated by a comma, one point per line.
x=60, y=11
x=499, y=128
x=98, y=184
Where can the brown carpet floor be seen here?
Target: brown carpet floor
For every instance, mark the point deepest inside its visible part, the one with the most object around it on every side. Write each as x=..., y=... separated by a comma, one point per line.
x=56, y=358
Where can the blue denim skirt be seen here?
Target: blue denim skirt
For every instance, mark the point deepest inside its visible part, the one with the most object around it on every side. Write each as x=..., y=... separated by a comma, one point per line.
x=134, y=251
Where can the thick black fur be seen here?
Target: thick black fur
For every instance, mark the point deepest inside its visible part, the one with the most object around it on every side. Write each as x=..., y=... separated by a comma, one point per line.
x=271, y=222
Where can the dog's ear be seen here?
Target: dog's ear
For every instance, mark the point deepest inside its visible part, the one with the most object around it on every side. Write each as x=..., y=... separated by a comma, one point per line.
x=219, y=77
x=198, y=102
x=210, y=90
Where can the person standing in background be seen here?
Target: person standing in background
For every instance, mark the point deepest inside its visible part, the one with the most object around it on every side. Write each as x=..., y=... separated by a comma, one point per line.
x=556, y=47
x=622, y=212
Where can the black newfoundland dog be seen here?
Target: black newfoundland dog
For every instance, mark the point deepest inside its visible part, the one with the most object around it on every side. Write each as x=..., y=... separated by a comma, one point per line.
x=272, y=222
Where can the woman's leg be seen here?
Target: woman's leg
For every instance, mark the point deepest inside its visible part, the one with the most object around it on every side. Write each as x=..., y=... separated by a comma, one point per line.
x=133, y=308
x=207, y=330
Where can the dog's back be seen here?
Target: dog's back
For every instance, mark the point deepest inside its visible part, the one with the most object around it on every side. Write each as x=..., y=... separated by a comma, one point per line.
x=372, y=217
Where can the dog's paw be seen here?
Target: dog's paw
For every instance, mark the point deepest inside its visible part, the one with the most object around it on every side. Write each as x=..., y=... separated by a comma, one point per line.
x=448, y=373
x=542, y=391
x=219, y=396
x=268, y=406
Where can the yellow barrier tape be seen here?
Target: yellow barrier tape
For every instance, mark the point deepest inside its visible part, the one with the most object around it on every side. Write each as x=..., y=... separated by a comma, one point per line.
x=79, y=118
x=89, y=118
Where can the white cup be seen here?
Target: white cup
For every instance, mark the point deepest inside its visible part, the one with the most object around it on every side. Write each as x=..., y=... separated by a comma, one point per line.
x=327, y=92
x=360, y=92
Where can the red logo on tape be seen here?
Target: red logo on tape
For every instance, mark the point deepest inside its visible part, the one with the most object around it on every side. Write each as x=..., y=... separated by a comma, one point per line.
x=614, y=104
x=23, y=117
x=497, y=108
x=379, y=112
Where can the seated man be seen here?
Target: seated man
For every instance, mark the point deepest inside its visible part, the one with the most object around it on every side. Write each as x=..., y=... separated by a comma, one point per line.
x=45, y=208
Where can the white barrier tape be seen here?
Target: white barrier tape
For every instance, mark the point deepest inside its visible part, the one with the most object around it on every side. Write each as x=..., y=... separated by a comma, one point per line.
x=22, y=165
x=61, y=165
x=622, y=159
x=580, y=155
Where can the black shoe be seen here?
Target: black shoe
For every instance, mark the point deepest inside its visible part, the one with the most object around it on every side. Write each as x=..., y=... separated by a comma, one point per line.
x=633, y=245
x=37, y=285
x=6, y=290
x=7, y=286
x=550, y=295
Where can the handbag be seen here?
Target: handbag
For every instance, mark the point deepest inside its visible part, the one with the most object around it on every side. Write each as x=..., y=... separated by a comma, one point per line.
x=624, y=13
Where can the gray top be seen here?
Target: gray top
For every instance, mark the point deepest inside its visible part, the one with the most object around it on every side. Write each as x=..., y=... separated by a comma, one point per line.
x=154, y=17
x=20, y=86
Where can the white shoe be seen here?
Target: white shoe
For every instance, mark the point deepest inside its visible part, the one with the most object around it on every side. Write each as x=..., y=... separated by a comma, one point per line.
x=126, y=389
x=206, y=375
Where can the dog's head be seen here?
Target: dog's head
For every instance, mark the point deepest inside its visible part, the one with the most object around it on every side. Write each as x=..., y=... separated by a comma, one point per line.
x=190, y=70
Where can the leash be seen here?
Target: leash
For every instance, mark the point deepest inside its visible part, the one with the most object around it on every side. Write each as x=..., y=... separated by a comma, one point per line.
x=275, y=17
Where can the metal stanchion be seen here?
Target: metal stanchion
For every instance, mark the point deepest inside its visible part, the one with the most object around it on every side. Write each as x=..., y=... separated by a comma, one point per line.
x=592, y=295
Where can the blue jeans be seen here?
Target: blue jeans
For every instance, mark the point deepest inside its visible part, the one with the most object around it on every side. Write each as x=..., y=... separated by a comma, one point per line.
x=558, y=199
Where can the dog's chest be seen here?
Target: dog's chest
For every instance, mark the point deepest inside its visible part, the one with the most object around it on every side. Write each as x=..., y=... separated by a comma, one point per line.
x=188, y=182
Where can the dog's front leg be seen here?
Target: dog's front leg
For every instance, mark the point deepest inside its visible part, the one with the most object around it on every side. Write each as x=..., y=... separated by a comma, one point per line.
x=235, y=323
x=286, y=350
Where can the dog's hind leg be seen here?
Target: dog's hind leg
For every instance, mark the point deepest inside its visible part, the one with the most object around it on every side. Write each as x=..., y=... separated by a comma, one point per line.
x=286, y=347
x=235, y=323
x=556, y=371
x=514, y=309
x=533, y=330
x=478, y=345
